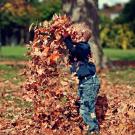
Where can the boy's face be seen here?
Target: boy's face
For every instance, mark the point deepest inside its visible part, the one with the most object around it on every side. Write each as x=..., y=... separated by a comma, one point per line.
x=79, y=33
x=80, y=37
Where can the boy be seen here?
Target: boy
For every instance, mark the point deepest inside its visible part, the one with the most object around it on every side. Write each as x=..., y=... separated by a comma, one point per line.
x=79, y=54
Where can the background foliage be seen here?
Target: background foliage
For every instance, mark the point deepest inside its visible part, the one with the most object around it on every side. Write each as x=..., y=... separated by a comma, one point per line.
x=120, y=32
x=16, y=16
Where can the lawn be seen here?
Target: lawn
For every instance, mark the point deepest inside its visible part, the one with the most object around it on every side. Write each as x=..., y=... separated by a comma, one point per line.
x=12, y=105
x=117, y=86
x=124, y=76
x=11, y=73
x=119, y=54
x=16, y=53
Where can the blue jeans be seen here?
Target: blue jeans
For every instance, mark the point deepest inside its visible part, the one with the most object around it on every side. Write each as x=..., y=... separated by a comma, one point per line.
x=87, y=91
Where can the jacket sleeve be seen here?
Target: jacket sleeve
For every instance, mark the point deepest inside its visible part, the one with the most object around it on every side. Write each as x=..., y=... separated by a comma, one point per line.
x=69, y=45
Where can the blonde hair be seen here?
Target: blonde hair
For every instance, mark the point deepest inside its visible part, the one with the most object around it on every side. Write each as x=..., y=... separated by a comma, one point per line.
x=80, y=32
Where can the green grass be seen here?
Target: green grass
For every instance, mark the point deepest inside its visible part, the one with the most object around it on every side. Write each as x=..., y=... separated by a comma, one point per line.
x=119, y=54
x=122, y=76
x=11, y=73
x=10, y=91
x=13, y=104
x=17, y=53
x=13, y=53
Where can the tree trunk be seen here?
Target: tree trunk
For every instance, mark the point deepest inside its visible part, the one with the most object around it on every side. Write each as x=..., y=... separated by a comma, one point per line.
x=86, y=11
x=22, y=36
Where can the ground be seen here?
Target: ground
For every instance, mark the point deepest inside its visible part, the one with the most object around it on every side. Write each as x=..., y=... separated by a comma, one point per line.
x=115, y=103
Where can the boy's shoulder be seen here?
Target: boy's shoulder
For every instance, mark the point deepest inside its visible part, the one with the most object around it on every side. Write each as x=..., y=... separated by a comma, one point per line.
x=83, y=45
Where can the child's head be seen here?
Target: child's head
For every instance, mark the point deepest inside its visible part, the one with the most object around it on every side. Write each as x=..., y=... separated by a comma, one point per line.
x=80, y=32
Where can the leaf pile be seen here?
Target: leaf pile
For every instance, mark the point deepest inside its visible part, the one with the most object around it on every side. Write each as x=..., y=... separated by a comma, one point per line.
x=115, y=108
x=49, y=85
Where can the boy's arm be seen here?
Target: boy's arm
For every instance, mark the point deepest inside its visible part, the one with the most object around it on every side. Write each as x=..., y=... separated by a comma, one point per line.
x=69, y=44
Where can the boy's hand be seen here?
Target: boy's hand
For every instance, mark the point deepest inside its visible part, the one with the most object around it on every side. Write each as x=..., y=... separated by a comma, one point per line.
x=74, y=77
x=92, y=60
x=66, y=34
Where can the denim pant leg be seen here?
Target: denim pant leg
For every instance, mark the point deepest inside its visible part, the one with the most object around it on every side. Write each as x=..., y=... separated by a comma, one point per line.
x=88, y=91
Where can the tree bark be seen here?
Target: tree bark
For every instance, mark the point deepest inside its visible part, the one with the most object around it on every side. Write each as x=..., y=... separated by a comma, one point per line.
x=87, y=11
x=22, y=36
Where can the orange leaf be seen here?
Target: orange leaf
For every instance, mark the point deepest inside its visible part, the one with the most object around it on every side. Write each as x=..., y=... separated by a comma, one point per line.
x=54, y=57
x=46, y=50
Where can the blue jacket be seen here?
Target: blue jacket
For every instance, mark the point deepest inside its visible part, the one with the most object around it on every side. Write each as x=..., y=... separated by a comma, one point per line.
x=78, y=58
